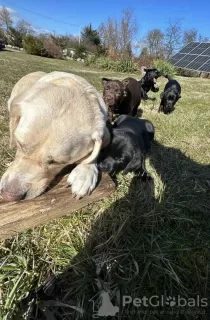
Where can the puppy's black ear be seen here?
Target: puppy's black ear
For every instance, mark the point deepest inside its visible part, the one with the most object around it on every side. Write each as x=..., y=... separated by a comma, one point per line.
x=150, y=69
x=104, y=81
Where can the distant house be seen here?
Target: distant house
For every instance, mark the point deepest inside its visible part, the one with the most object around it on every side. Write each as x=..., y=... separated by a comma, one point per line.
x=2, y=45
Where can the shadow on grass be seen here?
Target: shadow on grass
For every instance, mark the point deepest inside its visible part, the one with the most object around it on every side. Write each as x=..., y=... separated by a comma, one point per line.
x=154, y=241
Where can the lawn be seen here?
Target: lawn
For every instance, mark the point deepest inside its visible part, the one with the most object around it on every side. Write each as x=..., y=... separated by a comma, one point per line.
x=146, y=240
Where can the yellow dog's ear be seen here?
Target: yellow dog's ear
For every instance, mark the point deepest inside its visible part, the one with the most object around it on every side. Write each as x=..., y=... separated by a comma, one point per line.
x=13, y=123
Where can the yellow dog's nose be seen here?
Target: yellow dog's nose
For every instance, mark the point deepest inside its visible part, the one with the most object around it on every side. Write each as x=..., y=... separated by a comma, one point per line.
x=14, y=190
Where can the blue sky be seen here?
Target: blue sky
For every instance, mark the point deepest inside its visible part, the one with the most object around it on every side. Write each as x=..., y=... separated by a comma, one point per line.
x=75, y=14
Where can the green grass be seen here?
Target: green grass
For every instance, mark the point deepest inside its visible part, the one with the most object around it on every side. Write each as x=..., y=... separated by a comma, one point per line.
x=146, y=239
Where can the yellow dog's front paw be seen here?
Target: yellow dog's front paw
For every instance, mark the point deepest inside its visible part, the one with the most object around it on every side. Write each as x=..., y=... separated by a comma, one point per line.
x=83, y=179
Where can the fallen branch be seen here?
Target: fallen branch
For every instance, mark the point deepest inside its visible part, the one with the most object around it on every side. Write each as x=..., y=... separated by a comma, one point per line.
x=19, y=216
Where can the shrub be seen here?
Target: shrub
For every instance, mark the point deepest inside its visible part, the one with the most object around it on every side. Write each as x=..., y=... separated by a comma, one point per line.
x=164, y=66
x=101, y=51
x=90, y=48
x=108, y=64
x=34, y=45
x=105, y=63
x=145, y=61
x=126, y=66
x=188, y=73
x=52, y=50
x=100, y=62
x=90, y=60
x=80, y=51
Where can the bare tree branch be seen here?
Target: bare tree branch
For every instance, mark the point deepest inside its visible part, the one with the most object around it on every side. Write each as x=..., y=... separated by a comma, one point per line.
x=117, y=35
x=173, y=38
x=155, y=43
x=6, y=20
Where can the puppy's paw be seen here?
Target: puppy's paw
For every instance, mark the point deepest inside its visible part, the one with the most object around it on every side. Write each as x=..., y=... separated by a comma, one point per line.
x=83, y=179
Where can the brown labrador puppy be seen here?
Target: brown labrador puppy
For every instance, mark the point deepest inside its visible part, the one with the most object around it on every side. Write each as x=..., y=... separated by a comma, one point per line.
x=121, y=97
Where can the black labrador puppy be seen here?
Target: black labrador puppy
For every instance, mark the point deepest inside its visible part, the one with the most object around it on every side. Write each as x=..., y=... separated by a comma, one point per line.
x=171, y=94
x=148, y=83
x=130, y=143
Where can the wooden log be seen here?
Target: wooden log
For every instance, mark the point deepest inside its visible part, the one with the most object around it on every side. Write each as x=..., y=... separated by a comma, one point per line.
x=19, y=216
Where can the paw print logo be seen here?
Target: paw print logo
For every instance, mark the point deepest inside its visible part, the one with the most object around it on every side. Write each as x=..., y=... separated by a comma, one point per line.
x=170, y=301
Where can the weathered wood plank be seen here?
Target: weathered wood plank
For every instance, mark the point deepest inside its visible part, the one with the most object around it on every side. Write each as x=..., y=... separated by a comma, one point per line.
x=19, y=216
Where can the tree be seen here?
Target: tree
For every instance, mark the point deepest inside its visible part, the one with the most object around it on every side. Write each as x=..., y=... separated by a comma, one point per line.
x=190, y=35
x=173, y=38
x=24, y=28
x=109, y=35
x=203, y=39
x=144, y=52
x=2, y=35
x=118, y=35
x=155, y=43
x=6, y=20
x=90, y=36
x=17, y=34
x=64, y=42
x=14, y=37
x=127, y=31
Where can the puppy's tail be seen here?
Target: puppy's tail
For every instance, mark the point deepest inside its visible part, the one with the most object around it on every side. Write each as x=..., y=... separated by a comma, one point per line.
x=168, y=77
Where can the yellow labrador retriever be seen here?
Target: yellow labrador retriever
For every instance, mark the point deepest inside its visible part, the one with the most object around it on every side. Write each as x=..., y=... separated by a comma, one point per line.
x=56, y=119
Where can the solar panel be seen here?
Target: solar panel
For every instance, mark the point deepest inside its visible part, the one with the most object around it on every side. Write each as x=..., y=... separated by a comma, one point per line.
x=205, y=67
x=195, y=56
x=207, y=52
x=177, y=57
x=204, y=45
x=184, y=61
x=198, y=62
x=199, y=49
x=189, y=47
